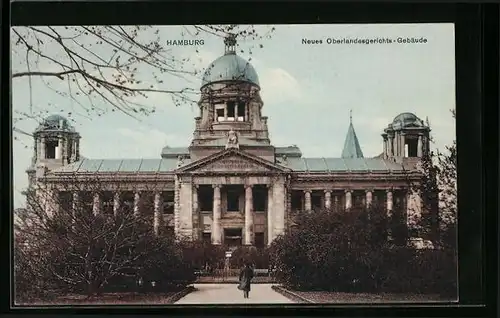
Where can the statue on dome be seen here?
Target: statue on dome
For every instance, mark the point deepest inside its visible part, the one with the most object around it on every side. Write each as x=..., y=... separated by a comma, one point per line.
x=232, y=140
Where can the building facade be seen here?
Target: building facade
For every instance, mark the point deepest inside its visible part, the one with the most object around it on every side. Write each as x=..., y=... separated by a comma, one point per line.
x=231, y=185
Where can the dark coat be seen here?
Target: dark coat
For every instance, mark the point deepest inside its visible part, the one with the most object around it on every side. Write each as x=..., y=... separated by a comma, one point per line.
x=246, y=276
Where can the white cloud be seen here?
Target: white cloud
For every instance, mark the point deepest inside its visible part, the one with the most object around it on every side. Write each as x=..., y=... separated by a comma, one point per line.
x=279, y=86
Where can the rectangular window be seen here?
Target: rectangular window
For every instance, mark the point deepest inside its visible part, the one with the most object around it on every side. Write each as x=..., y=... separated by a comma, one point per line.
x=241, y=111
x=233, y=200
x=168, y=202
x=316, y=199
x=65, y=201
x=107, y=202
x=230, y=111
x=411, y=147
x=220, y=114
x=205, y=198
x=259, y=197
x=51, y=149
x=297, y=200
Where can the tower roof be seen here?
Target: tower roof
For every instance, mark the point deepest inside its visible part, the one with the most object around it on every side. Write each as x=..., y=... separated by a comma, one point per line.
x=55, y=123
x=352, y=149
x=230, y=67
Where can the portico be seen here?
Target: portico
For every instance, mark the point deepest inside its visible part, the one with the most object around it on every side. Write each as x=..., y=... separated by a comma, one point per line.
x=234, y=191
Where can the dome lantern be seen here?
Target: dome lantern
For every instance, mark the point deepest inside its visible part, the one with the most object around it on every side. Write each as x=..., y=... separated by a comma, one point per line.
x=230, y=42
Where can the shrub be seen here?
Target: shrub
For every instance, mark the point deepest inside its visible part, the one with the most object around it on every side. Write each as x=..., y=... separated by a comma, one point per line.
x=259, y=257
x=346, y=252
x=202, y=255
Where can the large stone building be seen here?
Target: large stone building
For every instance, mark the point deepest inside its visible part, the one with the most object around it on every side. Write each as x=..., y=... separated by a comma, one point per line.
x=231, y=185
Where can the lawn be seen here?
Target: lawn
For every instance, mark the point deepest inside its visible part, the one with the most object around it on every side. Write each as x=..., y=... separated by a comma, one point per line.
x=320, y=297
x=112, y=299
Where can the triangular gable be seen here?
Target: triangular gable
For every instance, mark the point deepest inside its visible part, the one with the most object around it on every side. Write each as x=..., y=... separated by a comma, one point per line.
x=232, y=160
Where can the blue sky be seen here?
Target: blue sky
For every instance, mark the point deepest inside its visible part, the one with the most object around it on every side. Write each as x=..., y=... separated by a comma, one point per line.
x=307, y=91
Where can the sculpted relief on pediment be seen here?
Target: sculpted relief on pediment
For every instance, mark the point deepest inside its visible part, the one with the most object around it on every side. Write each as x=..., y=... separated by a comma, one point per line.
x=233, y=163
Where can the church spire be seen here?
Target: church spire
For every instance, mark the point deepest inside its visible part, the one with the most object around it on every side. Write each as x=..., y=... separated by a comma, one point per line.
x=352, y=149
x=230, y=43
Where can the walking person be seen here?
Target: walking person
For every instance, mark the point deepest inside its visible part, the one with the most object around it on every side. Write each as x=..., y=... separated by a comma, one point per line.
x=245, y=278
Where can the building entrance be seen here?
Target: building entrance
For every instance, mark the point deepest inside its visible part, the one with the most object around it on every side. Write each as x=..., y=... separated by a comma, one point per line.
x=233, y=237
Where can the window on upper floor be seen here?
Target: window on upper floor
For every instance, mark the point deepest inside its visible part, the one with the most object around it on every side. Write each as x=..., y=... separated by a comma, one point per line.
x=231, y=116
x=219, y=113
x=241, y=111
x=51, y=148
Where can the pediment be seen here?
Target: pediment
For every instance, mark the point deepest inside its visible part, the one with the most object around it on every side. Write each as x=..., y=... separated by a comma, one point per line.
x=232, y=160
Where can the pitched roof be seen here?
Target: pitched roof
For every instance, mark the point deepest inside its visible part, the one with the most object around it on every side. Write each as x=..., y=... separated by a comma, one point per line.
x=352, y=149
x=122, y=165
x=341, y=165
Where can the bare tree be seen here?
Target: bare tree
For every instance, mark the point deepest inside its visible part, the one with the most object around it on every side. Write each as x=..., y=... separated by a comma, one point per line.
x=67, y=243
x=110, y=68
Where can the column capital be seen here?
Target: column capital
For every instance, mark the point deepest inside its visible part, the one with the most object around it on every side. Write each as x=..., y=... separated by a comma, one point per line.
x=348, y=190
x=196, y=186
x=248, y=186
x=216, y=186
x=327, y=191
x=389, y=190
x=369, y=190
x=307, y=191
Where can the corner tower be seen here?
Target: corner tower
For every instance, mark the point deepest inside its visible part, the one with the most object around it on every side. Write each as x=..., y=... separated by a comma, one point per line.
x=230, y=101
x=406, y=139
x=56, y=144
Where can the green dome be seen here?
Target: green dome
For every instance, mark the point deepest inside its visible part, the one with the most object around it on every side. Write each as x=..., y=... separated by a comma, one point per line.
x=55, y=123
x=405, y=120
x=230, y=67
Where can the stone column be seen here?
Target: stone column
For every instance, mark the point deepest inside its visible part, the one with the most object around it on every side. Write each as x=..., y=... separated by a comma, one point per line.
x=249, y=235
x=369, y=197
x=198, y=229
x=307, y=200
x=38, y=149
x=279, y=208
x=270, y=214
x=137, y=201
x=389, y=213
x=186, y=210
x=413, y=209
x=225, y=113
x=390, y=145
x=96, y=206
x=116, y=203
x=419, y=146
x=65, y=153
x=348, y=199
x=177, y=195
x=42, y=148
x=157, y=213
x=216, y=230
x=73, y=150
x=60, y=147
x=236, y=111
x=389, y=202
x=75, y=206
x=328, y=199
x=385, y=147
x=52, y=202
x=77, y=151
x=402, y=143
